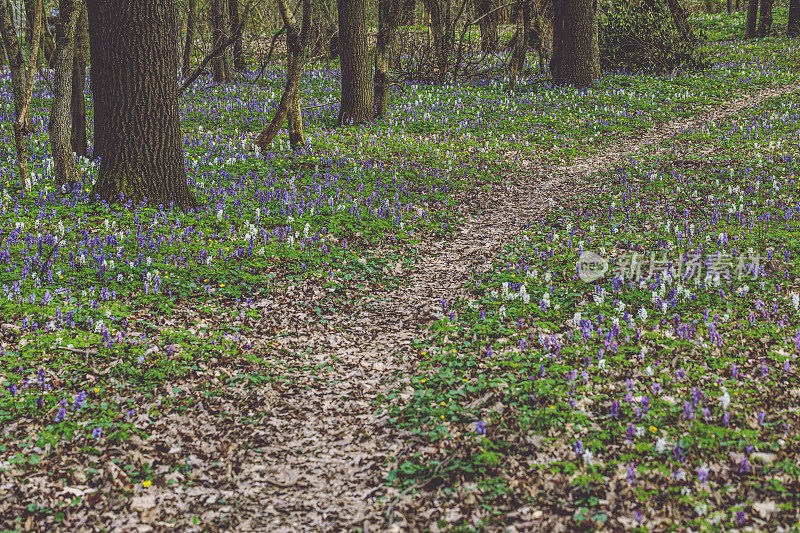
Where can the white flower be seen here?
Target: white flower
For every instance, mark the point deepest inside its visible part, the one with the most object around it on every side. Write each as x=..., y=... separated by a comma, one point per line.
x=661, y=445
x=601, y=364
x=642, y=313
x=588, y=458
x=649, y=371
x=795, y=300
x=576, y=319
x=502, y=311
x=725, y=400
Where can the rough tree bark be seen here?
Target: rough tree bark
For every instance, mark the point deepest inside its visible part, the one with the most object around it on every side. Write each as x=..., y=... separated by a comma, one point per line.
x=238, y=45
x=488, y=24
x=60, y=116
x=356, y=100
x=21, y=82
x=441, y=49
x=78, y=135
x=793, y=28
x=191, y=27
x=220, y=66
x=47, y=46
x=572, y=43
x=388, y=19
x=517, y=63
x=752, y=19
x=289, y=107
x=136, y=106
x=765, y=18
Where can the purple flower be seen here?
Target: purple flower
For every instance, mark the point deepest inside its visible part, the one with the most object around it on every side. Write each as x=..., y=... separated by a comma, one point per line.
x=480, y=427
x=744, y=466
x=702, y=475
x=740, y=517
x=97, y=433
x=579, y=448
x=631, y=474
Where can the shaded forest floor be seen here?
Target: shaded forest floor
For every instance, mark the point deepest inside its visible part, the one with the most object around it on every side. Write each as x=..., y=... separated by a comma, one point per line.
x=387, y=331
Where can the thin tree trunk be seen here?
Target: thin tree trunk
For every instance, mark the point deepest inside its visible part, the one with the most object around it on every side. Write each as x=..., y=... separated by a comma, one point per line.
x=21, y=82
x=765, y=18
x=191, y=27
x=793, y=28
x=289, y=106
x=517, y=63
x=407, y=18
x=388, y=16
x=238, y=46
x=681, y=20
x=138, y=103
x=752, y=19
x=59, y=127
x=710, y=6
x=357, y=91
x=438, y=32
x=220, y=67
x=78, y=136
x=596, y=71
x=729, y=6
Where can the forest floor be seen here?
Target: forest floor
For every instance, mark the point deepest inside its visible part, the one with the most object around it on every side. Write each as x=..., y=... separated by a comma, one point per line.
x=388, y=332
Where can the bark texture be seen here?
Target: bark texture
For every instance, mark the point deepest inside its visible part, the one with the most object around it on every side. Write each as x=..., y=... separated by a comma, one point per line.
x=136, y=106
x=517, y=63
x=388, y=20
x=489, y=24
x=356, y=104
x=238, y=44
x=765, y=18
x=289, y=107
x=751, y=23
x=21, y=81
x=220, y=64
x=60, y=115
x=188, y=45
x=793, y=28
x=681, y=20
x=78, y=135
x=572, y=43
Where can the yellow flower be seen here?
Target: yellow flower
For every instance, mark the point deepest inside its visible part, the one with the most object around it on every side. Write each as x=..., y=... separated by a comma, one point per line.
x=97, y=390
x=444, y=402
x=553, y=407
x=147, y=483
x=653, y=429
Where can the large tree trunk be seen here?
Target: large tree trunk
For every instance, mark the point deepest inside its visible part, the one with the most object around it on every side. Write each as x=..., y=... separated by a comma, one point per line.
x=289, y=106
x=59, y=127
x=356, y=106
x=765, y=18
x=793, y=28
x=238, y=46
x=388, y=17
x=136, y=106
x=191, y=27
x=572, y=31
x=752, y=19
x=220, y=65
x=78, y=137
x=710, y=6
x=489, y=25
x=16, y=57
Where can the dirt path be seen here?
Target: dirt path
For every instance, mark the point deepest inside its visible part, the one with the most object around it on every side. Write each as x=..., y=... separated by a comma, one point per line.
x=319, y=458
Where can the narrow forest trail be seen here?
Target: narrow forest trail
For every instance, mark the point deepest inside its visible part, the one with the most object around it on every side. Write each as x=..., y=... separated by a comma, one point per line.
x=319, y=459
x=335, y=443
